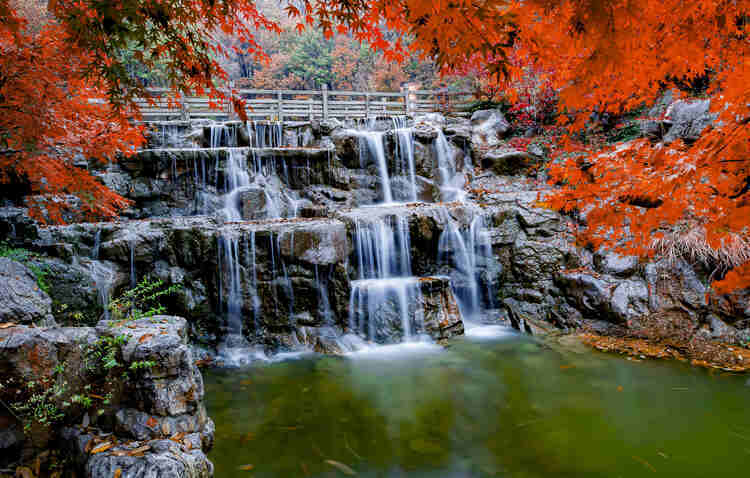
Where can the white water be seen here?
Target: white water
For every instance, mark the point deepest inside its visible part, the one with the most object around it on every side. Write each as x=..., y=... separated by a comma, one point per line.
x=460, y=248
x=450, y=180
x=371, y=142
x=385, y=287
x=405, y=154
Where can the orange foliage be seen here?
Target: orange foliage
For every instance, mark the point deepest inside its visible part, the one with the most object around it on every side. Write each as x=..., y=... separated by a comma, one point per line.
x=51, y=118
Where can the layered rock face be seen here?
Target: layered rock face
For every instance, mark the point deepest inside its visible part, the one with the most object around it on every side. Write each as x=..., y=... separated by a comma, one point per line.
x=150, y=421
x=277, y=232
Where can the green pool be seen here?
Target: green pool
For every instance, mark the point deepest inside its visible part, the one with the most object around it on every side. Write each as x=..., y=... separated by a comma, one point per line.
x=498, y=404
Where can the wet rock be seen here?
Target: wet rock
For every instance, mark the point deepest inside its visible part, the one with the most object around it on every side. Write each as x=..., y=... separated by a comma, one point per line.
x=348, y=146
x=604, y=298
x=314, y=211
x=320, y=243
x=21, y=299
x=16, y=224
x=458, y=130
x=442, y=319
x=325, y=128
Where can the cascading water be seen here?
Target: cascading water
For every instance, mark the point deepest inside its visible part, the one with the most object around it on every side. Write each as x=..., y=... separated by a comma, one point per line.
x=234, y=349
x=372, y=143
x=405, y=154
x=450, y=180
x=383, y=305
x=460, y=249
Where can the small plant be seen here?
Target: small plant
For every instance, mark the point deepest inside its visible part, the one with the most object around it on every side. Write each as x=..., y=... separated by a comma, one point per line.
x=103, y=354
x=24, y=256
x=142, y=301
x=41, y=406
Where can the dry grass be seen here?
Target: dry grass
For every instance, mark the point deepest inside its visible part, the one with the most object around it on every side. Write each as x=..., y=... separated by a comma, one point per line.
x=689, y=243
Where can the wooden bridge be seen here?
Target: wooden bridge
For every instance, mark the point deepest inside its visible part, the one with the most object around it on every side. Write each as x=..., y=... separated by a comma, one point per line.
x=294, y=105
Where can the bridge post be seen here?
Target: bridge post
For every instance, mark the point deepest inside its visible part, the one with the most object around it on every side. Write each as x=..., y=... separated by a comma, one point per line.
x=407, y=101
x=367, y=105
x=280, y=107
x=325, y=102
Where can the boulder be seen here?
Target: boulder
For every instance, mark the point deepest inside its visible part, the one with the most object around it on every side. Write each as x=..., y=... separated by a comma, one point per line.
x=176, y=458
x=688, y=120
x=603, y=297
x=488, y=128
x=611, y=263
x=21, y=299
x=510, y=162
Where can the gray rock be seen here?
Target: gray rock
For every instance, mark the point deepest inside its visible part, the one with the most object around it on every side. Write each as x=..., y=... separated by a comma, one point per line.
x=173, y=386
x=614, y=264
x=629, y=300
x=488, y=127
x=589, y=294
x=21, y=299
x=720, y=330
x=164, y=459
x=689, y=119
x=510, y=162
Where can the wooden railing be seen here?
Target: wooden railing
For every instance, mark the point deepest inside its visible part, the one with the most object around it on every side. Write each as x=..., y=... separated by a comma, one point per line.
x=291, y=105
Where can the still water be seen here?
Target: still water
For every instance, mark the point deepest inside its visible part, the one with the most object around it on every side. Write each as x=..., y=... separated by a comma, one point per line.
x=495, y=404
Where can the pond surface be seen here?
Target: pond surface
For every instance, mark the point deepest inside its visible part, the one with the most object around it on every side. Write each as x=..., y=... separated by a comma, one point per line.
x=497, y=404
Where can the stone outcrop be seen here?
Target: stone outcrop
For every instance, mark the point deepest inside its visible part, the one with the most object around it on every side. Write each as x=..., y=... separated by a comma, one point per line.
x=21, y=299
x=159, y=410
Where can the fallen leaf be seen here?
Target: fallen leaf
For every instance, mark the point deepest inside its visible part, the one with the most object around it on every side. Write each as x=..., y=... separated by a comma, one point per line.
x=102, y=448
x=24, y=472
x=89, y=445
x=644, y=463
x=151, y=422
x=7, y=325
x=566, y=367
x=140, y=449
x=144, y=338
x=619, y=388
x=177, y=436
x=246, y=467
x=342, y=467
x=118, y=473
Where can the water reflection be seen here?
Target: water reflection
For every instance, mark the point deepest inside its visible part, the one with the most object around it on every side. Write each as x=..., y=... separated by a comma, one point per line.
x=504, y=407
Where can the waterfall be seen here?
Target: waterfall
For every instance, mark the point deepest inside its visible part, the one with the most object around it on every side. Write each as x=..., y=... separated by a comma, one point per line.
x=405, y=154
x=230, y=285
x=324, y=307
x=133, y=280
x=234, y=349
x=371, y=142
x=451, y=182
x=97, y=244
x=382, y=310
x=236, y=177
x=382, y=247
x=384, y=301
x=460, y=249
x=250, y=253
